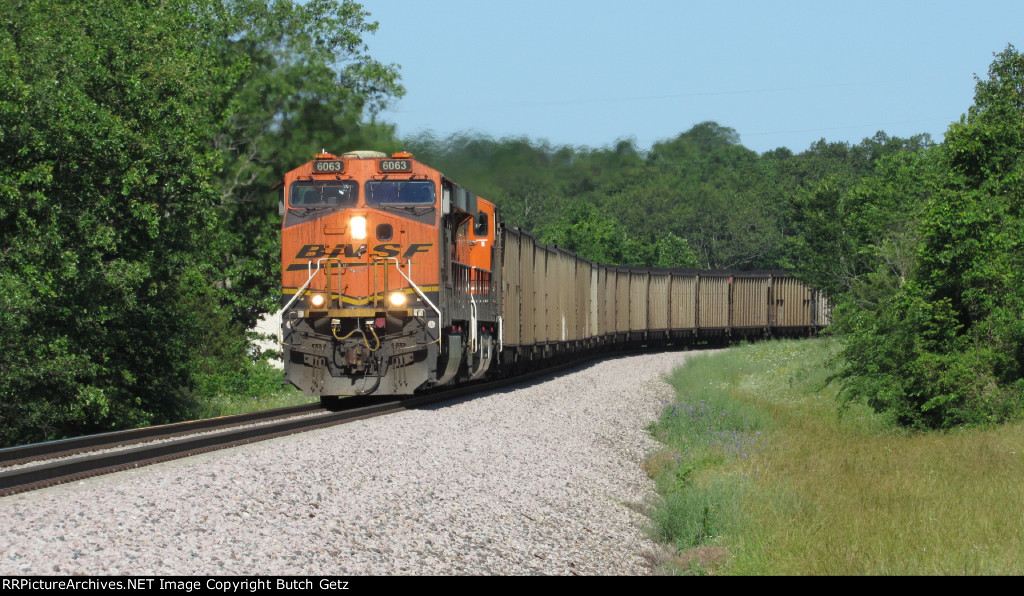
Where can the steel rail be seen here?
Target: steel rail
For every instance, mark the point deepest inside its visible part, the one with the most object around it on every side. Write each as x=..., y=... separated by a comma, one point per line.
x=49, y=474
x=63, y=447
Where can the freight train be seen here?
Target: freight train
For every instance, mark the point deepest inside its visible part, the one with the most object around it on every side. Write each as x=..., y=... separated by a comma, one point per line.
x=396, y=279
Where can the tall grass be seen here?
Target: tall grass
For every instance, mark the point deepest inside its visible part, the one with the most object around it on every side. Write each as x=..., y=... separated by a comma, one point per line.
x=824, y=490
x=260, y=387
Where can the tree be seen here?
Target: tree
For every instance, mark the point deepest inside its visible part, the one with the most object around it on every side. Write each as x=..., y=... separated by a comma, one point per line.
x=949, y=344
x=699, y=186
x=107, y=208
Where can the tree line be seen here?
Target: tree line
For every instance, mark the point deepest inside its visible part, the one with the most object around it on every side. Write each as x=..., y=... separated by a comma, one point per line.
x=700, y=199
x=140, y=143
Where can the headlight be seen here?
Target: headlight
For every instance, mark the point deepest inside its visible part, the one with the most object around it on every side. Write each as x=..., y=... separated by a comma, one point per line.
x=397, y=299
x=358, y=226
x=317, y=300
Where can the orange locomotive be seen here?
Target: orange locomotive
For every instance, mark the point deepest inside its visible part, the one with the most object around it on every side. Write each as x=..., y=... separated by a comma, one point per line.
x=387, y=276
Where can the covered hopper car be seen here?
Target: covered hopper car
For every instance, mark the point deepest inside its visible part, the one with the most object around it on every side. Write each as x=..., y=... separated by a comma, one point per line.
x=397, y=279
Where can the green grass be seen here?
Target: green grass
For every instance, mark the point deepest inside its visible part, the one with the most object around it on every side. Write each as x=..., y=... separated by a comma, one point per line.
x=770, y=476
x=263, y=388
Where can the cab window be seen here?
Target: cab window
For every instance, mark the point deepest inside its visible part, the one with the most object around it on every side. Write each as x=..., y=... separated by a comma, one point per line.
x=316, y=193
x=480, y=226
x=400, y=192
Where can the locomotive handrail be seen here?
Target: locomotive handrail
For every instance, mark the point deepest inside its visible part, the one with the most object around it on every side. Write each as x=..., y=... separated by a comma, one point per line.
x=418, y=291
x=472, y=323
x=472, y=281
x=305, y=285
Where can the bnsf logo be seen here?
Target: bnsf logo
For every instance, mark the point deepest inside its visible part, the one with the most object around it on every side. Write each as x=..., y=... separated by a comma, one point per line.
x=351, y=251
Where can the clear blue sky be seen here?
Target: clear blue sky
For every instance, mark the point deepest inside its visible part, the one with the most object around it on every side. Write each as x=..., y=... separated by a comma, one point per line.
x=781, y=73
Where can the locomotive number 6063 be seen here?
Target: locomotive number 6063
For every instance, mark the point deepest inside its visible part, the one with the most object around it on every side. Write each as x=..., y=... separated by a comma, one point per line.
x=332, y=167
x=395, y=165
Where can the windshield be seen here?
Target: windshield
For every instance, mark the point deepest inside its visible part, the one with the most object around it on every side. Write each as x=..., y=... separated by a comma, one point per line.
x=316, y=193
x=400, y=192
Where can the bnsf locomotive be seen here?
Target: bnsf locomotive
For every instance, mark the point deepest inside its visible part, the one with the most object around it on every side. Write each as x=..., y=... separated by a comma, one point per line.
x=397, y=279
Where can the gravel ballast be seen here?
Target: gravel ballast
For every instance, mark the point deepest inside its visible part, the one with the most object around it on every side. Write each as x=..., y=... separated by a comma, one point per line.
x=538, y=478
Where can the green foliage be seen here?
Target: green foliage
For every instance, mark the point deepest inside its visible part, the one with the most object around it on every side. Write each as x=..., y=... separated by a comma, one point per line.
x=698, y=515
x=699, y=199
x=106, y=208
x=703, y=429
x=699, y=187
x=945, y=348
x=693, y=201
x=852, y=238
x=586, y=230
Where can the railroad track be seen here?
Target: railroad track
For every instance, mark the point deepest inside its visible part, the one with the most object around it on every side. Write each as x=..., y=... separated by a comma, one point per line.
x=69, y=460
x=95, y=455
